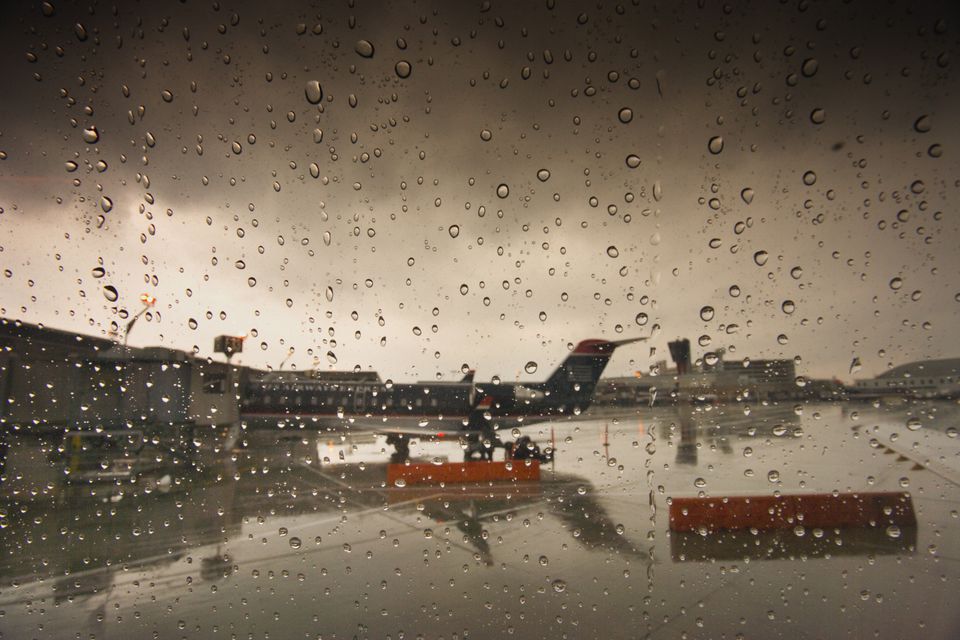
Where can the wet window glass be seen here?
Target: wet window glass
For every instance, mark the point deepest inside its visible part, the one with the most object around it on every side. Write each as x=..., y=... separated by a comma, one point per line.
x=477, y=319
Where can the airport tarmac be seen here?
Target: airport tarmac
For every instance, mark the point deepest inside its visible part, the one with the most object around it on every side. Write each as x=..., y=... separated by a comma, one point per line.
x=306, y=539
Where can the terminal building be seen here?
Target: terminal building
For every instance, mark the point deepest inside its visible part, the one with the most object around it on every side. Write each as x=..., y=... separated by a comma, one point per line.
x=921, y=379
x=720, y=380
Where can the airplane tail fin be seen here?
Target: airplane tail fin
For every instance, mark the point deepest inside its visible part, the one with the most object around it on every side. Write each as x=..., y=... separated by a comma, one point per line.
x=575, y=379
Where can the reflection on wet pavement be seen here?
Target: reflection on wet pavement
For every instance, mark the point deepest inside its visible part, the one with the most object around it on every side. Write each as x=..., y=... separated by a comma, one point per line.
x=305, y=537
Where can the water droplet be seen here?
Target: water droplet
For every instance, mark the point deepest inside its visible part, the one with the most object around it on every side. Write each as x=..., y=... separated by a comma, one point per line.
x=773, y=476
x=760, y=257
x=464, y=289
x=657, y=191
x=788, y=306
x=893, y=531
x=486, y=135
x=706, y=313
x=612, y=251
x=80, y=31
x=922, y=124
x=331, y=357
x=314, y=92
x=809, y=67
x=192, y=323
x=818, y=116
x=91, y=135
x=326, y=238
x=364, y=48
x=530, y=367
x=454, y=230
x=625, y=115
x=329, y=294
x=295, y=543
x=747, y=195
x=782, y=339
x=236, y=147
x=855, y=365
x=914, y=424
x=403, y=69
x=715, y=145
x=543, y=175
x=935, y=151
x=98, y=272
x=641, y=319
x=796, y=273
x=106, y=204
x=896, y=283
x=110, y=293
x=166, y=95
x=251, y=281
x=559, y=586
x=633, y=161
x=70, y=166
x=734, y=291
x=400, y=482
x=809, y=178
x=917, y=187
x=503, y=190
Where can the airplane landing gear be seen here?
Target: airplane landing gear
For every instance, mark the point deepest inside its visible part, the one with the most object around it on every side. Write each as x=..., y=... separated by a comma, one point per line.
x=401, y=446
x=481, y=447
x=526, y=449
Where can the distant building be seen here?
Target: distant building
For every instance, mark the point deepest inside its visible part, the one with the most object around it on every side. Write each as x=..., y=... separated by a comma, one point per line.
x=921, y=379
x=722, y=380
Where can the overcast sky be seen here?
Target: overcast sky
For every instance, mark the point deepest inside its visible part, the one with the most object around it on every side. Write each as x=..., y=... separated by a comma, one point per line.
x=240, y=202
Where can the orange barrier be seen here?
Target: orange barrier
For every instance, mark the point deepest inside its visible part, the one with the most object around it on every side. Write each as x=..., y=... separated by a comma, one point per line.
x=463, y=472
x=821, y=510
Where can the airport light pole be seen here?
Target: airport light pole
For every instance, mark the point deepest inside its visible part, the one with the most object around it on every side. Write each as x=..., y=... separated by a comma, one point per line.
x=148, y=301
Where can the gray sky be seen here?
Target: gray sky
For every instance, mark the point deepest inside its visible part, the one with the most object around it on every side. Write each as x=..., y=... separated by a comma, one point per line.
x=396, y=172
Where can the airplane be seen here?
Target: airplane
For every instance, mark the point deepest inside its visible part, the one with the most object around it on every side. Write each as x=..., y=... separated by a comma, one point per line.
x=470, y=411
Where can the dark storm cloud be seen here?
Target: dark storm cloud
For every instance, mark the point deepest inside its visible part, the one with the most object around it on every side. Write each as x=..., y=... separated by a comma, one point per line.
x=404, y=165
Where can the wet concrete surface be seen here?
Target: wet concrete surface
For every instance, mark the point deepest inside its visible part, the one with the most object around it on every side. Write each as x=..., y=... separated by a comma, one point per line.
x=305, y=538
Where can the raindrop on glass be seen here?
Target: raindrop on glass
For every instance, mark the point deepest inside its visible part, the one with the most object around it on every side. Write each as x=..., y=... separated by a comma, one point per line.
x=364, y=48
x=314, y=92
x=403, y=69
x=715, y=145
